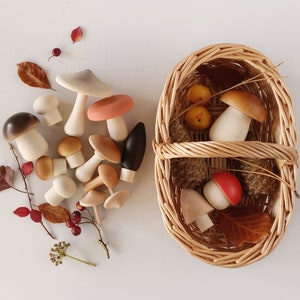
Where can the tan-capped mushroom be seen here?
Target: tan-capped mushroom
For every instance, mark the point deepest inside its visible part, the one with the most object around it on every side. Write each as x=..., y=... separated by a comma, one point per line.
x=104, y=149
x=70, y=147
x=195, y=208
x=47, y=167
x=93, y=199
x=84, y=83
x=21, y=128
x=233, y=124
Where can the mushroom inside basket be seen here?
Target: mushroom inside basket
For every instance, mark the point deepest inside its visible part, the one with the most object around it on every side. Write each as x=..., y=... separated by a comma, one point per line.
x=191, y=163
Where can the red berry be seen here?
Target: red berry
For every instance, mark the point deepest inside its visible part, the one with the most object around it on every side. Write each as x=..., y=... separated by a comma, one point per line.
x=76, y=217
x=79, y=206
x=55, y=53
x=76, y=230
x=70, y=224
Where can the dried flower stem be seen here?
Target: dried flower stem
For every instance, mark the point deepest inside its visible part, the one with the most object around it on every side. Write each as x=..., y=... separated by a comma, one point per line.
x=27, y=191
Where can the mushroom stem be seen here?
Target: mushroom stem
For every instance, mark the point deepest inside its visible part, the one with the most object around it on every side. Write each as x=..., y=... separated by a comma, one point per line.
x=75, y=123
x=32, y=145
x=117, y=129
x=85, y=172
x=231, y=125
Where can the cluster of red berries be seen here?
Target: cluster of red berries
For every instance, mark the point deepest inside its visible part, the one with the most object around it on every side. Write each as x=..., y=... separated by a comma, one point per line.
x=75, y=220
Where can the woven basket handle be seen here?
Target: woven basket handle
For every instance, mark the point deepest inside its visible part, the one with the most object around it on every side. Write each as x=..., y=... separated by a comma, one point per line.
x=211, y=149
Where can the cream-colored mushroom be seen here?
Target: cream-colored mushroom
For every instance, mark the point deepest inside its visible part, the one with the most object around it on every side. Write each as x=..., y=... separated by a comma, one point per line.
x=85, y=83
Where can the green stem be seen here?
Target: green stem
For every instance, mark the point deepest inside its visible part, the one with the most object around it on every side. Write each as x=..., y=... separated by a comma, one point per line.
x=81, y=260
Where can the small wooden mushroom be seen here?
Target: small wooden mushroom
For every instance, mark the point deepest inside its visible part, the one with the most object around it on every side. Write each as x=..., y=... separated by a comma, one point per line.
x=195, y=208
x=104, y=149
x=70, y=147
x=222, y=190
x=47, y=167
x=133, y=152
x=93, y=199
x=108, y=176
x=63, y=187
x=85, y=83
x=233, y=124
x=47, y=106
x=111, y=109
x=21, y=128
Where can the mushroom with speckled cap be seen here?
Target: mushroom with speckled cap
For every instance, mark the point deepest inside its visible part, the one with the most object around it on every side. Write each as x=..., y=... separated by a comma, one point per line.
x=21, y=128
x=111, y=109
x=85, y=83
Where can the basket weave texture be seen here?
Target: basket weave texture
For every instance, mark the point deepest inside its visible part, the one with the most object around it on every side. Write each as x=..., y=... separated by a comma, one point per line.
x=221, y=67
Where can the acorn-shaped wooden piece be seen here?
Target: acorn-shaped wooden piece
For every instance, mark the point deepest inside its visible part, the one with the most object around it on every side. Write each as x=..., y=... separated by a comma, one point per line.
x=133, y=152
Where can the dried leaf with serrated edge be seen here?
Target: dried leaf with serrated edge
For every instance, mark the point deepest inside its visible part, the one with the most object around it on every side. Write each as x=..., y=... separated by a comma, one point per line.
x=6, y=177
x=27, y=168
x=54, y=214
x=33, y=75
x=76, y=34
x=22, y=211
x=35, y=215
x=244, y=225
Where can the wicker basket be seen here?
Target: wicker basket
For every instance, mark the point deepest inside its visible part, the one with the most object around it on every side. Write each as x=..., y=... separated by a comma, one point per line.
x=222, y=67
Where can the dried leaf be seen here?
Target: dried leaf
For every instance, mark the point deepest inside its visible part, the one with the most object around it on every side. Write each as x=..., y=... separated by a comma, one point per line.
x=6, y=177
x=36, y=215
x=54, y=214
x=76, y=34
x=244, y=225
x=27, y=168
x=22, y=211
x=33, y=75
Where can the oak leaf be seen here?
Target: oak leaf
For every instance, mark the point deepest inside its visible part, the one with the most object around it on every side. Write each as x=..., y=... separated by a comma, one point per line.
x=54, y=214
x=244, y=225
x=6, y=177
x=33, y=75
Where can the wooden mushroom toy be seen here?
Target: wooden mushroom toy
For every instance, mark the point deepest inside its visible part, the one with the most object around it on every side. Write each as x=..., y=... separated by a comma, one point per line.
x=111, y=109
x=47, y=106
x=108, y=176
x=70, y=147
x=46, y=167
x=222, y=190
x=63, y=187
x=133, y=152
x=195, y=208
x=93, y=199
x=104, y=149
x=21, y=128
x=233, y=124
x=85, y=83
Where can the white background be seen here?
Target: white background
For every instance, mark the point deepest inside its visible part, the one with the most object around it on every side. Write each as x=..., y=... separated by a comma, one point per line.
x=132, y=45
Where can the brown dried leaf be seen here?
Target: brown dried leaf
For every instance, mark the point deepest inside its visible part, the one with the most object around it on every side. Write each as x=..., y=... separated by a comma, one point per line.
x=54, y=214
x=33, y=75
x=6, y=177
x=244, y=225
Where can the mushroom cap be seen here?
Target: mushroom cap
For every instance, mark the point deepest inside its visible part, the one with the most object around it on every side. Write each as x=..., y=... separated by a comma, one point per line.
x=84, y=82
x=229, y=185
x=193, y=205
x=18, y=124
x=109, y=175
x=110, y=107
x=93, y=198
x=69, y=145
x=116, y=200
x=245, y=102
x=64, y=186
x=105, y=147
x=45, y=103
x=44, y=168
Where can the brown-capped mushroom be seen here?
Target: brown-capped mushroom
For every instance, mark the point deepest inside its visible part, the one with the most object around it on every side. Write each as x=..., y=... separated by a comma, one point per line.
x=85, y=83
x=21, y=128
x=111, y=109
x=93, y=199
x=47, y=167
x=104, y=149
x=233, y=124
x=70, y=147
